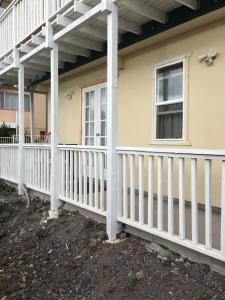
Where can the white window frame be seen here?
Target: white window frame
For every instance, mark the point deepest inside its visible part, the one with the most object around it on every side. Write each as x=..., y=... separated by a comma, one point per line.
x=182, y=100
x=97, y=89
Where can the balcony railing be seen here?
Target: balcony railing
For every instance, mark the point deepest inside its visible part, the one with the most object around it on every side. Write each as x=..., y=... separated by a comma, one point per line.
x=22, y=18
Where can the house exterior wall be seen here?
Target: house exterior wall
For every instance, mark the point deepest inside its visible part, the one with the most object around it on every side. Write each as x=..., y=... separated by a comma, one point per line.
x=9, y=116
x=204, y=101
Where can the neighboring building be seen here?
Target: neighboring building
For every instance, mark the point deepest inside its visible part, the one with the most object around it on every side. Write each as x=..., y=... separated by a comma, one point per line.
x=142, y=143
x=9, y=111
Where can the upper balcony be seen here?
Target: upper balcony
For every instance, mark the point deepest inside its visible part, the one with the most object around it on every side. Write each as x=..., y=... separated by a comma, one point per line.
x=24, y=22
x=22, y=18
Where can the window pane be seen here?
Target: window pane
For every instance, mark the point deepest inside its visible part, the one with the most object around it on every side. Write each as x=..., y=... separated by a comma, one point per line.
x=1, y=100
x=103, y=141
x=169, y=121
x=170, y=83
x=103, y=96
x=87, y=102
x=27, y=103
x=103, y=128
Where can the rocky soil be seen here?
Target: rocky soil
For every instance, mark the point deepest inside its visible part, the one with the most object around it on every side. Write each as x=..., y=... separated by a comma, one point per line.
x=69, y=258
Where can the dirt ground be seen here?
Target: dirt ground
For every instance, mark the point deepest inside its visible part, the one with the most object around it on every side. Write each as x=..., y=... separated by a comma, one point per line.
x=69, y=258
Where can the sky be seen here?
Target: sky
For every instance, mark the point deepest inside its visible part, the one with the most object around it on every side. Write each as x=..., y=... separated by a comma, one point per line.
x=1, y=10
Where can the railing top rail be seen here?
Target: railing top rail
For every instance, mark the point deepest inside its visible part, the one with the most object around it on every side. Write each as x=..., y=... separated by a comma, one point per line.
x=9, y=145
x=174, y=152
x=8, y=9
x=36, y=145
x=81, y=147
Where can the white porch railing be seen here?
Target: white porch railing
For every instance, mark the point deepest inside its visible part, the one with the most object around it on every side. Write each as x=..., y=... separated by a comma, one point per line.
x=22, y=18
x=42, y=139
x=83, y=180
x=145, y=177
x=9, y=162
x=37, y=167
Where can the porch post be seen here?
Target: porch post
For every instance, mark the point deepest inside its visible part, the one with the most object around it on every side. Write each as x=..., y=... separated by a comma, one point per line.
x=32, y=116
x=112, y=70
x=21, y=129
x=54, y=205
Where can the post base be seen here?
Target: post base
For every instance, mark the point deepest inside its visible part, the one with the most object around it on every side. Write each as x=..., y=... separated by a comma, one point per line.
x=53, y=214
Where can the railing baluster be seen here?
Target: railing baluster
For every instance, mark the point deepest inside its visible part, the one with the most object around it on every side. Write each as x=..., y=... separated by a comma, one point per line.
x=181, y=200
x=119, y=185
x=141, y=189
x=194, y=201
x=80, y=177
x=63, y=173
x=132, y=187
x=67, y=174
x=170, y=197
x=125, y=204
x=90, y=178
x=160, y=194
x=96, y=157
x=85, y=176
x=150, y=190
x=71, y=175
x=222, y=246
x=208, y=204
x=75, y=177
x=102, y=182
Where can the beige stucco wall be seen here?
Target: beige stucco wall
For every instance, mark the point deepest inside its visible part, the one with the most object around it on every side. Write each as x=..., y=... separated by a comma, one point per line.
x=9, y=116
x=205, y=96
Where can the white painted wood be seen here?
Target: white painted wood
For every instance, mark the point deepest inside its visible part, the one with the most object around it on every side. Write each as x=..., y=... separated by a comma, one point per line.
x=84, y=160
x=223, y=209
x=71, y=174
x=141, y=189
x=102, y=182
x=75, y=170
x=193, y=4
x=160, y=194
x=67, y=174
x=112, y=74
x=96, y=155
x=120, y=185
x=132, y=187
x=54, y=203
x=125, y=191
x=170, y=196
x=208, y=204
x=90, y=178
x=144, y=9
x=181, y=199
x=80, y=177
x=194, y=201
x=21, y=129
x=150, y=190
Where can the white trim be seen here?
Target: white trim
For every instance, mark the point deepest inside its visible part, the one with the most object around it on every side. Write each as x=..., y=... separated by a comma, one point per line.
x=97, y=89
x=167, y=63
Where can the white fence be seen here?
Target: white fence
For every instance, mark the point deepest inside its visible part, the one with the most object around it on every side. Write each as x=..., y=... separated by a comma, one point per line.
x=22, y=18
x=9, y=162
x=42, y=139
x=83, y=181
x=37, y=167
x=166, y=192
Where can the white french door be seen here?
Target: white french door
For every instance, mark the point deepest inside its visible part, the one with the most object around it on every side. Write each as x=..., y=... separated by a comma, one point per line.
x=95, y=115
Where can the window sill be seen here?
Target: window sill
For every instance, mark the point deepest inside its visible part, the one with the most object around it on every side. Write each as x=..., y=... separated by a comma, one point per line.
x=170, y=143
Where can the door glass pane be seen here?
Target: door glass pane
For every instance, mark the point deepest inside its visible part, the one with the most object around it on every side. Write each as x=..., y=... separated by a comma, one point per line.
x=89, y=117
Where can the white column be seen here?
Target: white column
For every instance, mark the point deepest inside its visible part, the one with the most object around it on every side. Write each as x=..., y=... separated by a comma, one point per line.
x=112, y=69
x=21, y=129
x=53, y=213
x=32, y=116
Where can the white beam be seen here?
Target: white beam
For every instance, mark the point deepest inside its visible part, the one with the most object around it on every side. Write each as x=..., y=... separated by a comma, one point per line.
x=21, y=129
x=54, y=202
x=112, y=73
x=32, y=128
x=144, y=9
x=193, y=4
x=77, y=24
x=82, y=8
